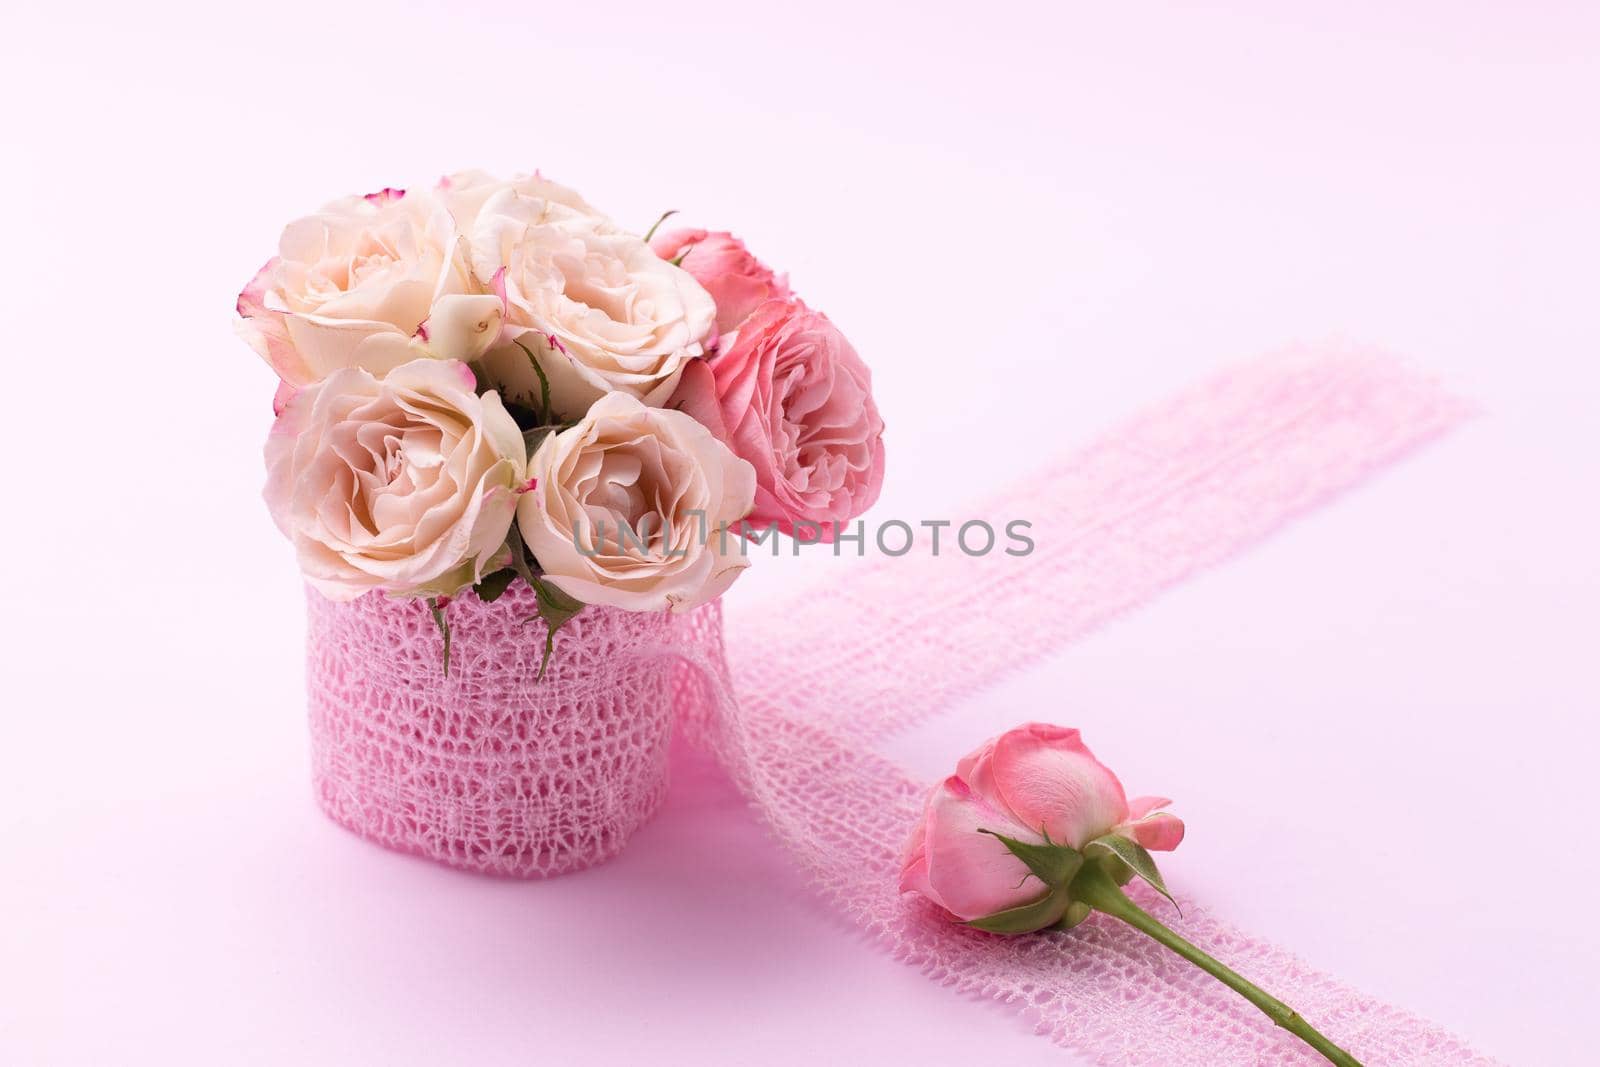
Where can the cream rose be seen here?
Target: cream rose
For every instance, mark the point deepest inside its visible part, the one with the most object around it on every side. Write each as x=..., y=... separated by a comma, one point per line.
x=599, y=310
x=372, y=282
x=466, y=192
x=627, y=508
x=406, y=483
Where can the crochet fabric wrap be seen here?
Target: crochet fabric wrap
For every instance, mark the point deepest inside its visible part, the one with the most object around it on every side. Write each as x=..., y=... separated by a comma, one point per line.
x=488, y=769
x=796, y=706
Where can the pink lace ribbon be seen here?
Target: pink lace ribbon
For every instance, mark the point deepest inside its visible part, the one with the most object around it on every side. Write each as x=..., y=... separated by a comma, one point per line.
x=493, y=767
x=814, y=682
x=494, y=770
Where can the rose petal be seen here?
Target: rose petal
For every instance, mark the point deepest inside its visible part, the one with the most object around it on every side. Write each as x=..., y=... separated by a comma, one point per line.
x=914, y=860
x=1161, y=832
x=1139, y=807
x=972, y=874
x=1051, y=781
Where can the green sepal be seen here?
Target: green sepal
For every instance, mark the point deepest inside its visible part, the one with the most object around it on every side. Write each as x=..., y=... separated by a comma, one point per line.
x=1054, y=865
x=556, y=609
x=436, y=609
x=1135, y=857
x=1046, y=911
x=1076, y=912
x=651, y=232
x=519, y=555
x=492, y=585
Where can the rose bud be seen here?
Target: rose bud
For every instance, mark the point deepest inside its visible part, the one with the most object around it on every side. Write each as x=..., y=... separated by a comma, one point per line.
x=724, y=267
x=1032, y=832
x=1039, y=786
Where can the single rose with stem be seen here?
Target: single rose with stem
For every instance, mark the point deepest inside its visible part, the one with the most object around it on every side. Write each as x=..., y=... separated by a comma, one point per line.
x=1033, y=833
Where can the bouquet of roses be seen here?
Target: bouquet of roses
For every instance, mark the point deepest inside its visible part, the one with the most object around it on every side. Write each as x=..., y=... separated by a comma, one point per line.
x=492, y=380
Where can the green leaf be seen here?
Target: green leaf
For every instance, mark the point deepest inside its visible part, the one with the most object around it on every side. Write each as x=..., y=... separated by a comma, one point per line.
x=436, y=609
x=556, y=609
x=1046, y=911
x=544, y=382
x=1054, y=865
x=493, y=585
x=651, y=232
x=1135, y=856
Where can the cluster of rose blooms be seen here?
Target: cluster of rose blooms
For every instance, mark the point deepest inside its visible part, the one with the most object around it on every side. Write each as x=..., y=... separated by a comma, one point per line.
x=479, y=379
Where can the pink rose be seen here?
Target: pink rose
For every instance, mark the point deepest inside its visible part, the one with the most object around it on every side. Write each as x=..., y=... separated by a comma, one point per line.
x=789, y=394
x=1033, y=833
x=1036, y=784
x=724, y=267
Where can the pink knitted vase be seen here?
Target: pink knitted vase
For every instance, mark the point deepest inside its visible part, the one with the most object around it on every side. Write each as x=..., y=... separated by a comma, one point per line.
x=490, y=769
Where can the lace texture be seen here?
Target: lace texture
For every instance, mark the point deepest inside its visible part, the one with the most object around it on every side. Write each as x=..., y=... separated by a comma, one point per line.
x=810, y=685
x=488, y=769
x=794, y=707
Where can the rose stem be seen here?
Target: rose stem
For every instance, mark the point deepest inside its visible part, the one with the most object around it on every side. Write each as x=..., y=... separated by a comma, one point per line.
x=1096, y=888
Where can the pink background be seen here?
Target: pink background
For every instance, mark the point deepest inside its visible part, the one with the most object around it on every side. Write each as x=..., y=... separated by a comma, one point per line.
x=1031, y=219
